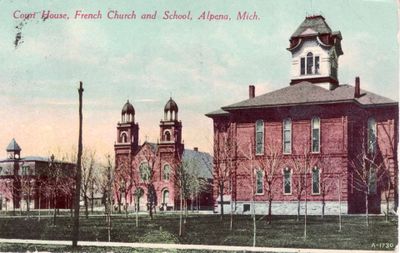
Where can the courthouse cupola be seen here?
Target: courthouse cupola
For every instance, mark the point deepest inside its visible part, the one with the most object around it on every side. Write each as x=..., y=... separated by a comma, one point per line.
x=315, y=51
x=13, y=150
x=128, y=113
x=171, y=111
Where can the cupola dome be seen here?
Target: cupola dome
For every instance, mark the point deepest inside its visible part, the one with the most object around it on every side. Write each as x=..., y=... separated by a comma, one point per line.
x=128, y=113
x=171, y=110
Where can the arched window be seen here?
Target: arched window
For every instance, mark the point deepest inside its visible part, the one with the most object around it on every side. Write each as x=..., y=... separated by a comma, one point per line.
x=287, y=181
x=144, y=171
x=165, y=196
x=166, y=172
x=287, y=136
x=315, y=180
x=310, y=63
x=259, y=182
x=315, y=134
x=124, y=137
x=371, y=135
x=259, y=137
x=167, y=135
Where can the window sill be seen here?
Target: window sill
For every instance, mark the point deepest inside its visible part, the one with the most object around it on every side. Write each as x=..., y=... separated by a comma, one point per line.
x=259, y=194
x=287, y=194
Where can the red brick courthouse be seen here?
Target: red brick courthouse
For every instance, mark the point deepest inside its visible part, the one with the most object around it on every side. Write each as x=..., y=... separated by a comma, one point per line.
x=314, y=139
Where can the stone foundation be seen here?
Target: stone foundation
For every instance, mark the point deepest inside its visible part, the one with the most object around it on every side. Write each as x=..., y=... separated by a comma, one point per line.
x=285, y=208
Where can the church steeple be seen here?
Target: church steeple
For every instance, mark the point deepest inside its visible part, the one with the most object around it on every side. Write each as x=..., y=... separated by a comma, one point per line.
x=127, y=131
x=315, y=52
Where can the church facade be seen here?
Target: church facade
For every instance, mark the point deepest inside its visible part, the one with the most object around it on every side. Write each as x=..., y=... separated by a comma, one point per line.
x=147, y=174
x=315, y=141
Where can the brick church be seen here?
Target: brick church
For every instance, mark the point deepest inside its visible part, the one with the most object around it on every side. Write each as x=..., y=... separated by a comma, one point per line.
x=316, y=140
x=146, y=168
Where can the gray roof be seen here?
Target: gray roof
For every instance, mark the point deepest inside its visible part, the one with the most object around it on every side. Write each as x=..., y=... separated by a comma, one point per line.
x=203, y=162
x=317, y=23
x=308, y=93
x=218, y=112
x=13, y=146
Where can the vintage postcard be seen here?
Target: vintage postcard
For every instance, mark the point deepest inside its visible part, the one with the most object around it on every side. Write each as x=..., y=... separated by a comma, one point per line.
x=199, y=126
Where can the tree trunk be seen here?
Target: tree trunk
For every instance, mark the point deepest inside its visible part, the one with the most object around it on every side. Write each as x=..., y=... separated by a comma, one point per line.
x=298, y=208
x=269, y=210
x=180, y=214
x=55, y=204
x=254, y=225
x=221, y=194
x=305, y=207
x=137, y=213
x=85, y=198
x=340, y=205
x=323, y=206
x=366, y=209
x=92, y=203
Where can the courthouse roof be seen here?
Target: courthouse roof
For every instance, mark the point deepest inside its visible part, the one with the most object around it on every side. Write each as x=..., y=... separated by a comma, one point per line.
x=13, y=146
x=306, y=93
x=316, y=23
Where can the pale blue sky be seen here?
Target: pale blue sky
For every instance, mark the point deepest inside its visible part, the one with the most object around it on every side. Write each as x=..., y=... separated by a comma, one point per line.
x=204, y=65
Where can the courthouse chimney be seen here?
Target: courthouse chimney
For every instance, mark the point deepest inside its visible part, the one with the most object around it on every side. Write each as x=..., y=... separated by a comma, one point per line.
x=196, y=149
x=357, y=92
x=252, y=91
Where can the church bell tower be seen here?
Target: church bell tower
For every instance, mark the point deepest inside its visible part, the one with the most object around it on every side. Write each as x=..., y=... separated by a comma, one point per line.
x=127, y=134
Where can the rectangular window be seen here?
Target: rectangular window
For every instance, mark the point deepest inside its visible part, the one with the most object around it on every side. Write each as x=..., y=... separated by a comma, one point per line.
x=260, y=182
x=287, y=136
x=25, y=170
x=287, y=181
x=315, y=181
x=259, y=137
x=371, y=135
x=316, y=64
x=302, y=66
x=315, y=134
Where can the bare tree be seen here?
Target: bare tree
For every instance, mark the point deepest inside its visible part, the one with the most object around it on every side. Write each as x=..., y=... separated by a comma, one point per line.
x=247, y=152
x=88, y=160
x=224, y=161
x=302, y=164
x=270, y=165
x=146, y=171
x=367, y=169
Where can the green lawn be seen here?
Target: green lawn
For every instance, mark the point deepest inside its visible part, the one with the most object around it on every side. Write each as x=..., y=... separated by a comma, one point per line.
x=284, y=231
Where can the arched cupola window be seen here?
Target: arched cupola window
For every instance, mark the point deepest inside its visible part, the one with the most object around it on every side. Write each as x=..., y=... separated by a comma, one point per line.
x=309, y=65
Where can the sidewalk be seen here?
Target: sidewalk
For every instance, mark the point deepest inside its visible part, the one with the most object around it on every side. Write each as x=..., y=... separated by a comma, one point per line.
x=187, y=246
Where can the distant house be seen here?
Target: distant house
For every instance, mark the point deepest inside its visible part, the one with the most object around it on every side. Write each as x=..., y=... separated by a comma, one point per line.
x=150, y=170
x=336, y=143
x=34, y=182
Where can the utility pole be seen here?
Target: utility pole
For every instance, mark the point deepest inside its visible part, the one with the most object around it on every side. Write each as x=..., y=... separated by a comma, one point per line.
x=78, y=179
